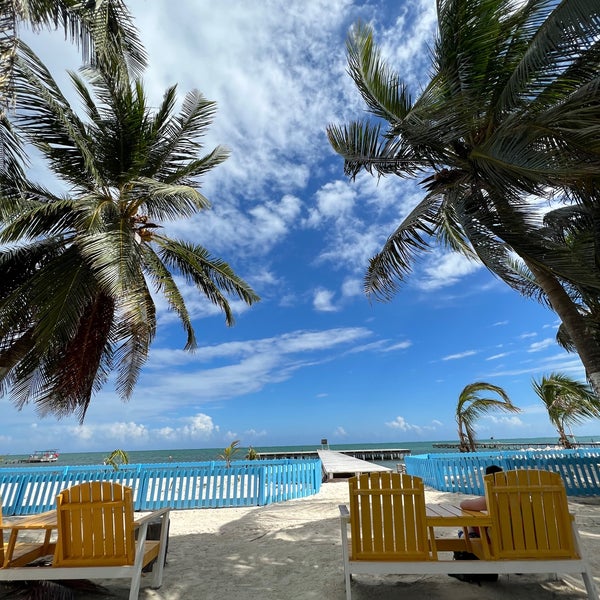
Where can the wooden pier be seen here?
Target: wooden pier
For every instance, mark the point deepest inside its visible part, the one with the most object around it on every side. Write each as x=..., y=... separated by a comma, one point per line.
x=362, y=454
x=340, y=465
x=516, y=445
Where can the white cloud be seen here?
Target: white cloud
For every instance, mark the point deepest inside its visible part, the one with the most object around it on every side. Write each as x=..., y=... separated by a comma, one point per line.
x=459, y=355
x=403, y=425
x=538, y=346
x=352, y=288
x=510, y=420
x=254, y=228
x=253, y=433
x=443, y=270
x=399, y=346
x=323, y=301
x=335, y=200
x=237, y=368
x=198, y=427
x=497, y=356
x=272, y=112
x=400, y=423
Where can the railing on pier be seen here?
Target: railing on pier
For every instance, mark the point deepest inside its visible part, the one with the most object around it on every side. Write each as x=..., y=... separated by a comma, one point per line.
x=180, y=486
x=463, y=472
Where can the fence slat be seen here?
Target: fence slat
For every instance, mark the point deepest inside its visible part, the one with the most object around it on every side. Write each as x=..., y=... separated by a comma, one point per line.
x=180, y=486
x=463, y=472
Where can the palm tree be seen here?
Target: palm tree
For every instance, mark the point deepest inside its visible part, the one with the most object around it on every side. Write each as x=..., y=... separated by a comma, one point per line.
x=568, y=402
x=230, y=452
x=252, y=454
x=79, y=270
x=471, y=405
x=511, y=111
x=103, y=30
x=117, y=457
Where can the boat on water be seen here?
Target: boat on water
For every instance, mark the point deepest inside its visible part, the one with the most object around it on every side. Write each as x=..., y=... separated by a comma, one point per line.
x=43, y=456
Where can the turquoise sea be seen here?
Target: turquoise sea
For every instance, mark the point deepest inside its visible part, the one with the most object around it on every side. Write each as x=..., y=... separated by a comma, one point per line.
x=208, y=454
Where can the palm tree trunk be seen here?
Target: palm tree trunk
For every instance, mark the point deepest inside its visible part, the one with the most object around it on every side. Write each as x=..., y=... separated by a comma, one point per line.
x=563, y=438
x=463, y=444
x=565, y=308
x=472, y=446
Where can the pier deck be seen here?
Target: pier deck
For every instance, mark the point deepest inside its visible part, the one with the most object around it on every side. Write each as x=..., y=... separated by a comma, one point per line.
x=363, y=454
x=337, y=464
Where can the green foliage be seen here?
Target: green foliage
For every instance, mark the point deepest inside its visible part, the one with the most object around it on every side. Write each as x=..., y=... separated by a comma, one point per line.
x=230, y=452
x=471, y=406
x=510, y=113
x=568, y=402
x=80, y=272
x=103, y=31
x=116, y=458
x=252, y=454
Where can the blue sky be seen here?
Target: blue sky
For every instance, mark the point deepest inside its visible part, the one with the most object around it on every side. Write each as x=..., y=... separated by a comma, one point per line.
x=314, y=358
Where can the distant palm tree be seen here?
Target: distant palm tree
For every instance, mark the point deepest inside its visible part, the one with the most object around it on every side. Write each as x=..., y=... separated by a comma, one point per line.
x=568, y=402
x=252, y=454
x=116, y=458
x=230, y=452
x=79, y=271
x=471, y=406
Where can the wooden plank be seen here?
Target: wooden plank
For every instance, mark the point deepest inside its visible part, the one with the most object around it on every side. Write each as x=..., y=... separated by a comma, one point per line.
x=336, y=463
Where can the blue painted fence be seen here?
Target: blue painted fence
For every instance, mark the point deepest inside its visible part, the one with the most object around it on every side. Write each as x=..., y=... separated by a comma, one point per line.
x=463, y=472
x=180, y=486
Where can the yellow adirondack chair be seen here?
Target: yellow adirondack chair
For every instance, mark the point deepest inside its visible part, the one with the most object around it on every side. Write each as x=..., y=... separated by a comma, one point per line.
x=400, y=536
x=97, y=534
x=98, y=538
x=24, y=552
x=532, y=515
x=529, y=529
x=95, y=526
x=387, y=524
x=533, y=529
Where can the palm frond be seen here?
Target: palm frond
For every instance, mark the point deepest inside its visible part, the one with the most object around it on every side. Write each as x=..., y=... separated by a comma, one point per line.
x=164, y=201
x=212, y=276
x=165, y=283
x=555, y=40
x=362, y=147
x=136, y=330
x=50, y=124
x=386, y=96
x=114, y=256
x=394, y=262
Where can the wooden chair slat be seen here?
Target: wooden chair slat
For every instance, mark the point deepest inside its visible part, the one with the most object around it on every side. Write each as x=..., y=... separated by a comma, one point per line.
x=388, y=517
x=531, y=511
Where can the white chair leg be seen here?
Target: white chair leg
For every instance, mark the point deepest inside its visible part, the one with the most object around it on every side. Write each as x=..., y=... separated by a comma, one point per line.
x=590, y=586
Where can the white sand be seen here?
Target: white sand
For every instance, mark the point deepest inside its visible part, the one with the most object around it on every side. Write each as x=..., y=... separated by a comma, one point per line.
x=292, y=550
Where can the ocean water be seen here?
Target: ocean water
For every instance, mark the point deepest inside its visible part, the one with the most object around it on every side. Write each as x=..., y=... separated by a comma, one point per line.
x=208, y=454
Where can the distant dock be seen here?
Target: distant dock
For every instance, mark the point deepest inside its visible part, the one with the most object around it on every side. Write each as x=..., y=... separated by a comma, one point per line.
x=362, y=454
x=516, y=445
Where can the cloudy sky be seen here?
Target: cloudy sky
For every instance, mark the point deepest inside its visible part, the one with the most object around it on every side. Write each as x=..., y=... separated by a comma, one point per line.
x=314, y=358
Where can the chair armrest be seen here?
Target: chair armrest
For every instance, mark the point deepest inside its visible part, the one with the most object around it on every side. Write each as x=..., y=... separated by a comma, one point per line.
x=344, y=512
x=151, y=516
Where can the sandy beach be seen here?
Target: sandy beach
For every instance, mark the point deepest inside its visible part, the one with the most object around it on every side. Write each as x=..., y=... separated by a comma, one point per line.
x=293, y=550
